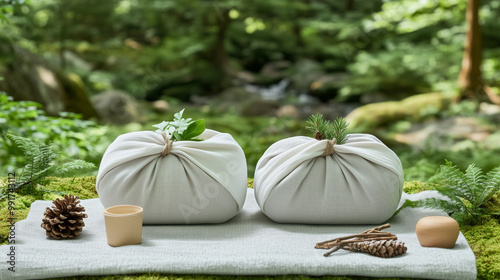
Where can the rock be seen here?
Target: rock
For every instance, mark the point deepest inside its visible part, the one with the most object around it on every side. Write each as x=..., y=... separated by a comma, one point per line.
x=445, y=133
x=489, y=109
x=326, y=87
x=369, y=117
x=29, y=77
x=245, y=77
x=289, y=111
x=274, y=69
x=115, y=106
x=237, y=94
x=160, y=106
x=260, y=108
x=74, y=61
x=304, y=73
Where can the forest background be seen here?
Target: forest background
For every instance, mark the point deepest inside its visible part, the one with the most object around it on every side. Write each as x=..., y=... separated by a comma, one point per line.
x=420, y=75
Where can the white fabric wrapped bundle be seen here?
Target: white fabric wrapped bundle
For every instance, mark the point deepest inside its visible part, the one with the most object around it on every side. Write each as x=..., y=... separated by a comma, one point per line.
x=360, y=183
x=196, y=182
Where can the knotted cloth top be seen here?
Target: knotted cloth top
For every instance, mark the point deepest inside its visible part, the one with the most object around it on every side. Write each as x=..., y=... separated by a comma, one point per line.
x=329, y=150
x=168, y=145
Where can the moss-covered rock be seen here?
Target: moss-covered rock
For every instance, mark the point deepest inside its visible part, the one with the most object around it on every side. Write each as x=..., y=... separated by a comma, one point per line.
x=417, y=107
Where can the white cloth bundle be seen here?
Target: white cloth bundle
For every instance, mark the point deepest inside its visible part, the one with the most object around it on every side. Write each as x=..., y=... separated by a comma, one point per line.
x=360, y=183
x=196, y=182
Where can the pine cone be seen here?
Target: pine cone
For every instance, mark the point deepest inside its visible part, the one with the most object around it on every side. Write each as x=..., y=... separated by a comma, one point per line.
x=382, y=248
x=65, y=218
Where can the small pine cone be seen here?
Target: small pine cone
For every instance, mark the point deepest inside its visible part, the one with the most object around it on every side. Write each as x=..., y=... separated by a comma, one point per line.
x=318, y=136
x=65, y=218
x=381, y=248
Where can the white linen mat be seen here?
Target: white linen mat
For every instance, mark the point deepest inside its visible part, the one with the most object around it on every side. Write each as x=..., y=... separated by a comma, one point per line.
x=249, y=244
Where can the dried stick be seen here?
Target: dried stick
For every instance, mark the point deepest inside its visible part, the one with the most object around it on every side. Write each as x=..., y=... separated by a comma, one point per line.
x=374, y=230
x=361, y=236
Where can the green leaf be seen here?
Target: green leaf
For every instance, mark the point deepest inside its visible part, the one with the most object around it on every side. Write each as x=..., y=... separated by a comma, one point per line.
x=194, y=129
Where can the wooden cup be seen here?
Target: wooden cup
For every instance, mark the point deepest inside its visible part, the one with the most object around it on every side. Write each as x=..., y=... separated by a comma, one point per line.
x=123, y=225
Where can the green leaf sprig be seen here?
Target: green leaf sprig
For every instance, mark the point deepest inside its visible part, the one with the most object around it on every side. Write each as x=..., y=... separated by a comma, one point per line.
x=467, y=193
x=324, y=129
x=181, y=129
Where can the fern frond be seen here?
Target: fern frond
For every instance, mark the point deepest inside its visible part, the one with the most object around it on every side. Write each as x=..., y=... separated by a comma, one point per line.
x=494, y=180
x=429, y=203
x=467, y=192
x=39, y=165
x=475, y=180
x=452, y=182
x=26, y=145
x=73, y=165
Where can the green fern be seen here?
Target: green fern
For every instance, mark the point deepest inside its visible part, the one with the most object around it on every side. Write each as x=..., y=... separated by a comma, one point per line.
x=39, y=159
x=324, y=129
x=466, y=193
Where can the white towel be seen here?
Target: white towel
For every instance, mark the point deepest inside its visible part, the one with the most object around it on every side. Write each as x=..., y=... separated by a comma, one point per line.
x=249, y=244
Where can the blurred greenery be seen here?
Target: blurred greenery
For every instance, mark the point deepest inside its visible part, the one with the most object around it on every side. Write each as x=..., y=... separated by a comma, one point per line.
x=68, y=133
x=193, y=53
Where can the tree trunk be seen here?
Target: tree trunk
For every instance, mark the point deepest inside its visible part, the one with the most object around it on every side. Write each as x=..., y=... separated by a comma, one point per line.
x=62, y=36
x=220, y=59
x=350, y=5
x=470, y=81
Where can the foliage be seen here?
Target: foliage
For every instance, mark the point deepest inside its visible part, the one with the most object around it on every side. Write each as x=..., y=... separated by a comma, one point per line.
x=181, y=129
x=69, y=133
x=324, y=129
x=39, y=159
x=7, y=8
x=466, y=193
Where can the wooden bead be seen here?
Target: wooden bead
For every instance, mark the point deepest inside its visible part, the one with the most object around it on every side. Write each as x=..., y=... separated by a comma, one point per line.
x=437, y=231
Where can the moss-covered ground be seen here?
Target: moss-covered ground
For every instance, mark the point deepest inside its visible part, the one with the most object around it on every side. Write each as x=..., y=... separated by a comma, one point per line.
x=484, y=237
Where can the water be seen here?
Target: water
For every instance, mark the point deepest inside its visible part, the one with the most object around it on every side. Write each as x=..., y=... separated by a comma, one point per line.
x=272, y=92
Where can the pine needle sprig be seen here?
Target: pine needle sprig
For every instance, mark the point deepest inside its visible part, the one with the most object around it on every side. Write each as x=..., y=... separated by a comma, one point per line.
x=466, y=193
x=324, y=129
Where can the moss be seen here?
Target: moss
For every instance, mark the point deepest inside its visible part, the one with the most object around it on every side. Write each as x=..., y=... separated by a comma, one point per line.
x=415, y=187
x=417, y=107
x=250, y=183
x=484, y=238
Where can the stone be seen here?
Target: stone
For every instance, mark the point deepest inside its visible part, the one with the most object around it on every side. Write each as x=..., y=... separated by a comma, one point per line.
x=274, y=69
x=441, y=133
x=29, y=77
x=327, y=86
x=305, y=72
x=160, y=106
x=116, y=107
x=369, y=117
x=289, y=111
x=260, y=108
